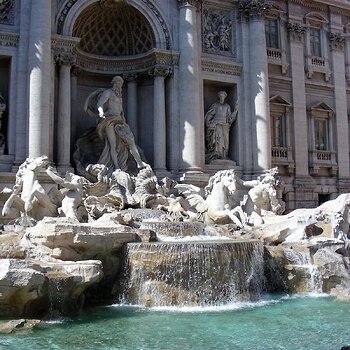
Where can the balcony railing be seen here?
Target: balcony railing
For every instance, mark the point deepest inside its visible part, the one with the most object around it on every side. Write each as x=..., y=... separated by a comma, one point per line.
x=275, y=54
x=318, y=61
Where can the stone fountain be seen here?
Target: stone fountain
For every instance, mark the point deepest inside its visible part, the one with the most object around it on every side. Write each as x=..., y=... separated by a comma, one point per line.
x=113, y=231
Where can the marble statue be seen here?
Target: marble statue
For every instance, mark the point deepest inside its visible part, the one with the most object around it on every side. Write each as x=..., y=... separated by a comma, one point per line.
x=218, y=121
x=28, y=194
x=73, y=192
x=2, y=110
x=107, y=106
x=220, y=201
x=262, y=196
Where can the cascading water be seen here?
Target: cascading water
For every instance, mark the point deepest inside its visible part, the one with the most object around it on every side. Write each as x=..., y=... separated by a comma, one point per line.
x=301, y=261
x=192, y=273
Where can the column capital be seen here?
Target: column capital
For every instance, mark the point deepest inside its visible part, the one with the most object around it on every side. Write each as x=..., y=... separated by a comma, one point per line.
x=194, y=3
x=65, y=58
x=253, y=9
x=160, y=71
x=296, y=31
x=130, y=77
x=337, y=41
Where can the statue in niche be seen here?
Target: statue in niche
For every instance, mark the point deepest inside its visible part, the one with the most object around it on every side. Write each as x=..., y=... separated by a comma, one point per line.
x=2, y=110
x=218, y=121
x=107, y=106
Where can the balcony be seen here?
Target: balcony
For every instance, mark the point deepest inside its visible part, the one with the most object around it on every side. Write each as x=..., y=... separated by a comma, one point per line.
x=282, y=156
x=277, y=57
x=315, y=64
x=323, y=159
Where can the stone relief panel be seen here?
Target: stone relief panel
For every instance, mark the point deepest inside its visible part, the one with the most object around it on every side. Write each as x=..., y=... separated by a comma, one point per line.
x=217, y=31
x=6, y=11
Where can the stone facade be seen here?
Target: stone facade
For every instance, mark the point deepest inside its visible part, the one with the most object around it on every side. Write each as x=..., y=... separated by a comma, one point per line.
x=285, y=63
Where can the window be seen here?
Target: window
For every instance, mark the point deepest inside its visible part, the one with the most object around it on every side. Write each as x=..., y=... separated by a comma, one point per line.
x=272, y=34
x=315, y=42
x=279, y=131
x=321, y=134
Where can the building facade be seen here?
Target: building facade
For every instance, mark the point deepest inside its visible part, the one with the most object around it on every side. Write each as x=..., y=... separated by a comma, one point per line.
x=286, y=63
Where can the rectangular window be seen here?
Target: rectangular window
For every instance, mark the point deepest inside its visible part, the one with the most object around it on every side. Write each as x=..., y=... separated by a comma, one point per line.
x=321, y=134
x=279, y=131
x=271, y=33
x=315, y=42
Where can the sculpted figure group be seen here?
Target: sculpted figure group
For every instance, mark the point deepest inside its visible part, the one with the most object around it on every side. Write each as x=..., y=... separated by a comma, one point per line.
x=108, y=184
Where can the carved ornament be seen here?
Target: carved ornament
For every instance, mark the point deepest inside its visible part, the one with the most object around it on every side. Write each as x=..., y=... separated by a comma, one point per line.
x=195, y=3
x=221, y=67
x=160, y=71
x=253, y=9
x=63, y=49
x=6, y=11
x=337, y=41
x=296, y=30
x=9, y=39
x=217, y=32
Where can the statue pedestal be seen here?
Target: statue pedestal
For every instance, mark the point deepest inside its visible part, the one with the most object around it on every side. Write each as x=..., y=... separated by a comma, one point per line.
x=222, y=164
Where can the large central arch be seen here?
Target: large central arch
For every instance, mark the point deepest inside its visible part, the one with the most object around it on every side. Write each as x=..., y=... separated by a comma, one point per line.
x=71, y=9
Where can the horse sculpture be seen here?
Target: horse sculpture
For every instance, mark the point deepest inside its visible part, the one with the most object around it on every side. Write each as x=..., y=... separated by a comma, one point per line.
x=28, y=195
x=220, y=201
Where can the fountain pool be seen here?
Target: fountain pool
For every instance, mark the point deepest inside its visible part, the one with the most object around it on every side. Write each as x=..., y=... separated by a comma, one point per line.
x=273, y=323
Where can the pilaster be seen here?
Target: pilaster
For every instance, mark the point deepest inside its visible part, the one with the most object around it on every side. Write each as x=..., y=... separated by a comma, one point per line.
x=296, y=37
x=337, y=45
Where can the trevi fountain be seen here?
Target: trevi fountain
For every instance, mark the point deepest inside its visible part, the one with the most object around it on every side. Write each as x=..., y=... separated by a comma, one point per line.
x=112, y=257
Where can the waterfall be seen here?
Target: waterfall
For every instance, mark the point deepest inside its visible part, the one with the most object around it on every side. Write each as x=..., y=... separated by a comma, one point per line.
x=192, y=273
x=309, y=276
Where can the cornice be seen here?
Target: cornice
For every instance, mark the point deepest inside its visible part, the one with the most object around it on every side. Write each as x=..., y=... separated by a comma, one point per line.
x=126, y=65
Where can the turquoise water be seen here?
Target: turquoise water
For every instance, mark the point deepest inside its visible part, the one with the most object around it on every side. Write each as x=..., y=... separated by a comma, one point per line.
x=293, y=323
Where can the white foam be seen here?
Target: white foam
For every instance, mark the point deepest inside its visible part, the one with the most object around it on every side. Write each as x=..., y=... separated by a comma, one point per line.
x=201, y=309
x=200, y=238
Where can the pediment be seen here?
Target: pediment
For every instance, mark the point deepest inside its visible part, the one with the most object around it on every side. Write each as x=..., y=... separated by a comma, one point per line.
x=279, y=100
x=322, y=106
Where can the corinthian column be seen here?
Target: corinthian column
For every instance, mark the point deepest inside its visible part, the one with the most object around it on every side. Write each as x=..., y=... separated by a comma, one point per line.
x=254, y=12
x=159, y=121
x=65, y=62
x=39, y=65
x=191, y=121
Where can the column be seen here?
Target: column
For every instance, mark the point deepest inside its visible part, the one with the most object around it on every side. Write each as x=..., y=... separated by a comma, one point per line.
x=21, y=98
x=254, y=11
x=191, y=121
x=131, y=116
x=64, y=112
x=342, y=129
x=159, y=120
x=39, y=64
